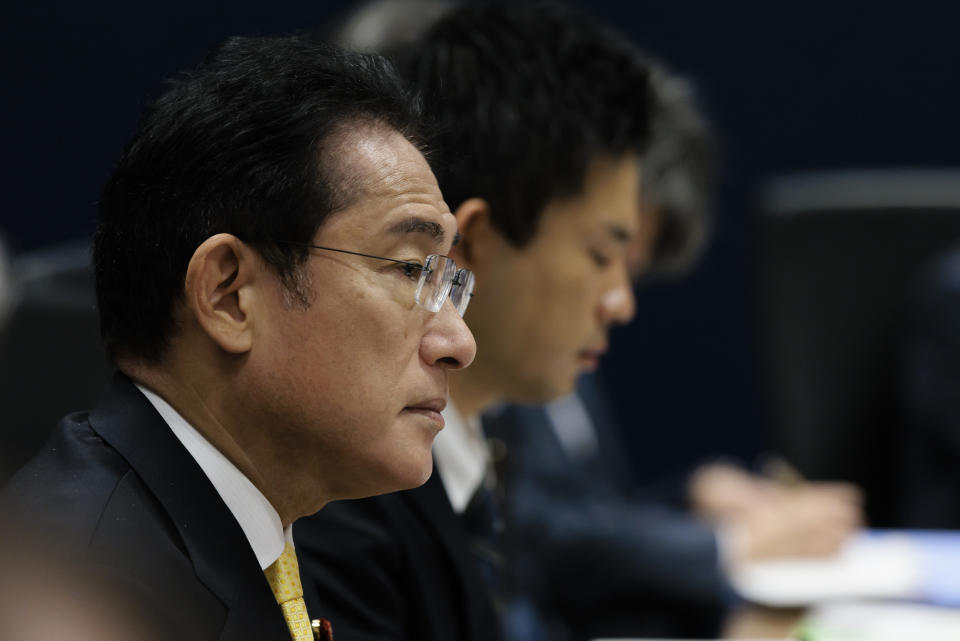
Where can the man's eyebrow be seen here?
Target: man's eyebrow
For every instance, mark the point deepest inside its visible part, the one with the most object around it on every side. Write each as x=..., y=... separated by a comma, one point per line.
x=419, y=226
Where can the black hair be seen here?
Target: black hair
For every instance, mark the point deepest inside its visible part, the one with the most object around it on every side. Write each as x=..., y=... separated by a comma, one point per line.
x=521, y=98
x=236, y=146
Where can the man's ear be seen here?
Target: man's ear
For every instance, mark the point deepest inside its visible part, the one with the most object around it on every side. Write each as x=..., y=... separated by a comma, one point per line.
x=476, y=232
x=219, y=291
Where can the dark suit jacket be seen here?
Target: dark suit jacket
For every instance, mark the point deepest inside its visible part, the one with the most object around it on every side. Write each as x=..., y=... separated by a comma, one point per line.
x=931, y=380
x=118, y=488
x=396, y=566
x=608, y=557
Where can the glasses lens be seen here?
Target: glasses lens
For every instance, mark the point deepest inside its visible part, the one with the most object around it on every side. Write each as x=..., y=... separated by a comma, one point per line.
x=435, y=281
x=462, y=290
x=427, y=277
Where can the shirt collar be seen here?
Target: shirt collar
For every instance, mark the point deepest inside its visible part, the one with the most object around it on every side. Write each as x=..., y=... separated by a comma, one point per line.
x=462, y=457
x=571, y=422
x=257, y=517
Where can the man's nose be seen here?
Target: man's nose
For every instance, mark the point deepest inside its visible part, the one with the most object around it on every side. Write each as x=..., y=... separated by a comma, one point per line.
x=448, y=342
x=618, y=305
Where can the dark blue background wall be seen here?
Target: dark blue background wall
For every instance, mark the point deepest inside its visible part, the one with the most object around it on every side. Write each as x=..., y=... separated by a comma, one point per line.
x=790, y=85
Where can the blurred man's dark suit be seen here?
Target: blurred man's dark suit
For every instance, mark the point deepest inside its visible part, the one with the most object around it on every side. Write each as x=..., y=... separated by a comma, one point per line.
x=931, y=379
x=594, y=549
x=118, y=488
x=396, y=566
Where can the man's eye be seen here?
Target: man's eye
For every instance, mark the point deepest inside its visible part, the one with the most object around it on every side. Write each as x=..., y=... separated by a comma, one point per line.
x=411, y=270
x=599, y=258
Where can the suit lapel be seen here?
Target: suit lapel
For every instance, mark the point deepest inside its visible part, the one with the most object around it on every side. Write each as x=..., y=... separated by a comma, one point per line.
x=254, y=613
x=215, y=542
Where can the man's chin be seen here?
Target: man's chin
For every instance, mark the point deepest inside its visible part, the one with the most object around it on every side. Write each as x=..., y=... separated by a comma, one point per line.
x=404, y=471
x=412, y=475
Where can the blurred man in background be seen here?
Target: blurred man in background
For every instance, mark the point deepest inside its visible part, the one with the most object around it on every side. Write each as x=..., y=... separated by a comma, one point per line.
x=602, y=554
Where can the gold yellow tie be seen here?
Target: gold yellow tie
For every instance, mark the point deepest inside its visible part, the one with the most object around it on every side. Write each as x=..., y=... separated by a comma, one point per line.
x=284, y=579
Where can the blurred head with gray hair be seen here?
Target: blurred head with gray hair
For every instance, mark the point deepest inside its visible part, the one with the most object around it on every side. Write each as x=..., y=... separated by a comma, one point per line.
x=384, y=26
x=679, y=171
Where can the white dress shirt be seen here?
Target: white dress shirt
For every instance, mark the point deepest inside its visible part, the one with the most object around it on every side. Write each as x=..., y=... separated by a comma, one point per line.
x=257, y=517
x=462, y=457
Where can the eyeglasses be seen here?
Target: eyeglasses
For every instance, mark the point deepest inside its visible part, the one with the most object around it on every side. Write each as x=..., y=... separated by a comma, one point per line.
x=439, y=278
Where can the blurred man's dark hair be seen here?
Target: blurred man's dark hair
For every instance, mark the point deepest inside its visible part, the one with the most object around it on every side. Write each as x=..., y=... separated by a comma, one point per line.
x=520, y=136
x=679, y=166
x=237, y=146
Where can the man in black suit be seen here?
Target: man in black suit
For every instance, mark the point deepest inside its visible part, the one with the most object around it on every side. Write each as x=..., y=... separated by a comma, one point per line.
x=931, y=372
x=273, y=287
